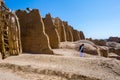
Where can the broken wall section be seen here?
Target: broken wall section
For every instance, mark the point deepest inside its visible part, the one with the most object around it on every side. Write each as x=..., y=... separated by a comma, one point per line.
x=82, y=36
x=33, y=36
x=67, y=32
x=75, y=35
x=60, y=28
x=69, y=36
x=10, y=42
x=51, y=31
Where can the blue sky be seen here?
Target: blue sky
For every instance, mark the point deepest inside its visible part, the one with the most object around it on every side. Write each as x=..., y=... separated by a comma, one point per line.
x=96, y=18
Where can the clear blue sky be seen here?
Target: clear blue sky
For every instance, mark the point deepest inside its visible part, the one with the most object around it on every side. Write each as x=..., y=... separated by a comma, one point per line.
x=96, y=18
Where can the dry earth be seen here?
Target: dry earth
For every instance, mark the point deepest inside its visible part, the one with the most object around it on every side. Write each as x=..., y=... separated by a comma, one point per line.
x=65, y=65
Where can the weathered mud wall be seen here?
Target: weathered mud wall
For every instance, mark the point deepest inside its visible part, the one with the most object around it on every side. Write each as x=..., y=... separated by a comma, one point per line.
x=0, y=46
x=67, y=30
x=14, y=41
x=51, y=31
x=33, y=36
x=71, y=32
x=10, y=42
x=75, y=35
x=60, y=28
x=82, y=36
x=78, y=35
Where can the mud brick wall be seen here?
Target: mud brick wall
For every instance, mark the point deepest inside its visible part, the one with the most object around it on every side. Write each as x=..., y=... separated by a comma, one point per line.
x=33, y=36
x=51, y=31
x=75, y=35
x=67, y=30
x=82, y=36
x=60, y=28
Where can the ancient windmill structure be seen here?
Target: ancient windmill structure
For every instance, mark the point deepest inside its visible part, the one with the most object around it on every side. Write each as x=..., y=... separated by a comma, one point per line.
x=10, y=42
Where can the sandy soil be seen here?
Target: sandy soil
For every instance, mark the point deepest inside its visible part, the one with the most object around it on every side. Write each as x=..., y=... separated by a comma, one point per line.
x=65, y=65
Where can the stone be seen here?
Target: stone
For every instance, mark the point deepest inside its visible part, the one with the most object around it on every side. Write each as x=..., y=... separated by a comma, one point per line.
x=111, y=50
x=114, y=39
x=33, y=36
x=117, y=51
x=103, y=51
x=99, y=42
x=114, y=47
x=51, y=31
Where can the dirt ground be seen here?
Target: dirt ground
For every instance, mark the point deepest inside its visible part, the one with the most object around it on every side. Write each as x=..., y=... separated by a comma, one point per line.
x=65, y=65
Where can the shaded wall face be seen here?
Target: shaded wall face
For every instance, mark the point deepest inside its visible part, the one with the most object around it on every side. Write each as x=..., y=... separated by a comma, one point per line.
x=51, y=31
x=82, y=36
x=0, y=46
x=61, y=29
x=75, y=35
x=78, y=35
x=69, y=35
x=34, y=39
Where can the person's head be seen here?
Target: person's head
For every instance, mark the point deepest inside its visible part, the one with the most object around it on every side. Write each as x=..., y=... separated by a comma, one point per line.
x=82, y=44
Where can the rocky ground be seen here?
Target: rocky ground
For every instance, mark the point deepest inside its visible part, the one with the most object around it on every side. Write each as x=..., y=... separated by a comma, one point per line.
x=65, y=65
